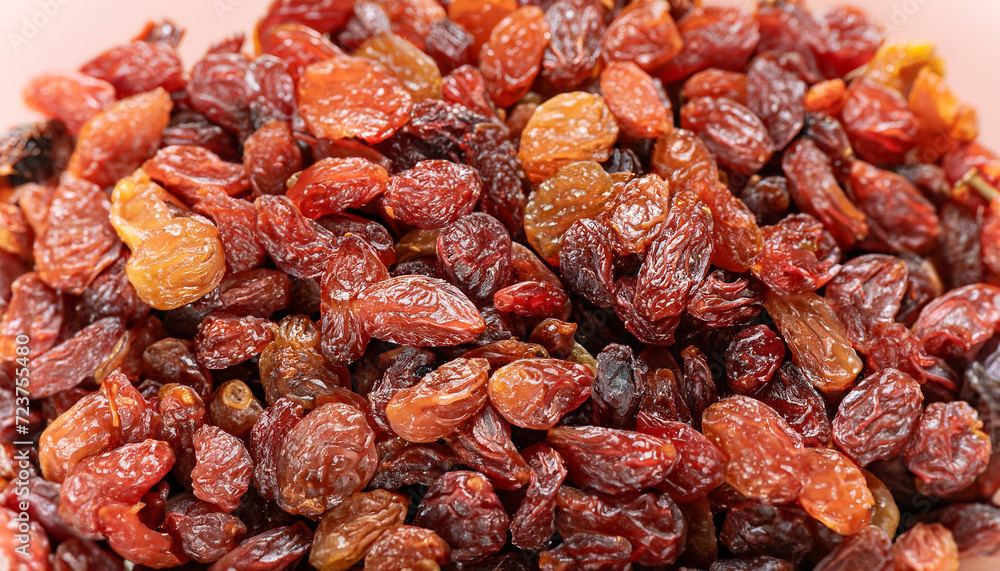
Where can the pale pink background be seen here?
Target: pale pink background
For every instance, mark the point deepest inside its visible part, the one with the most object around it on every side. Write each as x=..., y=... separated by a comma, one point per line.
x=964, y=30
x=37, y=35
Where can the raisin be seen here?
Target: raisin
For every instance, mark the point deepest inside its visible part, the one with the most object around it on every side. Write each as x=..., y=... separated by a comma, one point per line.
x=475, y=252
x=879, y=122
x=723, y=299
x=352, y=97
x=643, y=33
x=266, y=439
x=799, y=256
x=332, y=433
x=835, y=492
x=296, y=244
x=415, y=196
x=752, y=358
x=576, y=30
x=758, y=563
x=777, y=96
x=637, y=101
x=797, y=401
x=119, y=477
x=133, y=540
x=484, y=442
x=570, y=127
x=683, y=160
x=403, y=464
x=348, y=531
x=534, y=522
x=270, y=156
x=588, y=551
x=849, y=40
x=948, y=448
x=466, y=86
x=480, y=17
x=185, y=170
x=406, y=547
x=449, y=45
x=956, y=324
x=713, y=82
x=576, y=191
x=117, y=140
x=292, y=365
x=826, y=96
x=78, y=241
x=276, y=549
x=508, y=78
x=440, y=402
x=234, y=408
x=532, y=299
x=76, y=554
x=344, y=338
x=90, y=427
x=975, y=528
x=816, y=338
x=634, y=214
x=183, y=413
x=223, y=469
x=651, y=523
x=885, y=514
x=331, y=186
x=732, y=132
x=416, y=70
x=172, y=360
x=70, y=97
x=137, y=67
x=763, y=450
x=868, y=290
x=160, y=230
x=412, y=19
x=700, y=465
x=436, y=313
x=877, y=416
x=536, y=393
x=869, y=547
x=898, y=215
x=959, y=251
x=925, y=546
x=462, y=509
x=815, y=191
x=617, y=389
x=225, y=341
x=612, y=461
x=713, y=36
x=754, y=529
x=76, y=359
x=677, y=261
x=205, y=532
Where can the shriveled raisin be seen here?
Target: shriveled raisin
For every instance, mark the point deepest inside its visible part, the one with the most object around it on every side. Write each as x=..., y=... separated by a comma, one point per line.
x=352, y=97
x=462, y=508
x=536, y=393
x=570, y=127
x=763, y=451
x=442, y=400
x=335, y=435
x=877, y=416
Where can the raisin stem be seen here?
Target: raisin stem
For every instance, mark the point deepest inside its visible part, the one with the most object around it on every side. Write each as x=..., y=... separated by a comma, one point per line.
x=978, y=182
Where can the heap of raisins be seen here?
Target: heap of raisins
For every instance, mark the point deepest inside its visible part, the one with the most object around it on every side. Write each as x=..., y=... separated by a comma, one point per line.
x=501, y=285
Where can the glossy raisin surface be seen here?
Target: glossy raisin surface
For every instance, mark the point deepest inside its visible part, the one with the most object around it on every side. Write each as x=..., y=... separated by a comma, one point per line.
x=501, y=285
